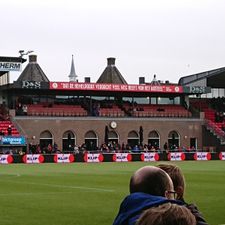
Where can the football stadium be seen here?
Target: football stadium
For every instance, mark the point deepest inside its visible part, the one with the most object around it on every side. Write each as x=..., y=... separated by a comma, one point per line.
x=68, y=148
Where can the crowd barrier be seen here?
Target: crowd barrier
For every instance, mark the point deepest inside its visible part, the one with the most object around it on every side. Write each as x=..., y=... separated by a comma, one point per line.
x=110, y=157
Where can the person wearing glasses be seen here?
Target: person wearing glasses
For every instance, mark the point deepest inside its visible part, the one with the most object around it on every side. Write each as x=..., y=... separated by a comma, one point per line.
x=149, y=186
x=179, y=186
x=167, y=214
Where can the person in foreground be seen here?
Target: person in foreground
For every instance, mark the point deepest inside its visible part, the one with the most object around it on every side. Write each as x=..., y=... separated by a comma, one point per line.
x=179, y=186
x=149, y=186
x=167, y=214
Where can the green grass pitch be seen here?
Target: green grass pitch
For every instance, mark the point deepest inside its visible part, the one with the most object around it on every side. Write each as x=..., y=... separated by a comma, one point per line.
x=90, y=193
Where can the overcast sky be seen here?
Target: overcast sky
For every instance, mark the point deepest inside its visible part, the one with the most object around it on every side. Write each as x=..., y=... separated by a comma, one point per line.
x=169, y=38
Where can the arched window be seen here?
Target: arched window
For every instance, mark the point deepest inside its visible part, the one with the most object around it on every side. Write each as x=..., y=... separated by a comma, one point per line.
x=132, y=139
x=91, y=141
x=45, y=139
x=154, y=139
x=173, y=140
x=68, y=141
x=113, y=137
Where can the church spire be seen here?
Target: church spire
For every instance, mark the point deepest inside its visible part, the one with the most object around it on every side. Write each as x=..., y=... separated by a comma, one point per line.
x=72, y=76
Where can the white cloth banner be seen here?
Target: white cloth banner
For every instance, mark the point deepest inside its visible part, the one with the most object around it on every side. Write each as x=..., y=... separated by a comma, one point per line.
x=149, y=156
x=202, y=156
x=122, y=157
x=176, y=156
x=63, y=158
x=222, y=155
x=33, y=158
x=6, y=159
x=95, y=157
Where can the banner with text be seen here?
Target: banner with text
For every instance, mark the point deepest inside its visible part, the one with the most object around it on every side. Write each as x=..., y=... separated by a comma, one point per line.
x=149, y=156
x=176, y=156
x=115, y=87
x=33, y=158
x=63, y=158
x=95, y=157
x=6, y=159
x=202, y=156
x=122, y=157
x=9, y=140
x=222, y=156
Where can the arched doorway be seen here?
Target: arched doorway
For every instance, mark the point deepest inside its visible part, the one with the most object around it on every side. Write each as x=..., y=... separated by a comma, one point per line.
x=133, y=139
x=173, y=140
x=45, y=140
x=154, y=139
x=91, y=141
x=68, y=141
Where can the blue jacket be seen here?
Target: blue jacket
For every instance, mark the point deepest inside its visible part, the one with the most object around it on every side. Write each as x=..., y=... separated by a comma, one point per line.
x=134, y=204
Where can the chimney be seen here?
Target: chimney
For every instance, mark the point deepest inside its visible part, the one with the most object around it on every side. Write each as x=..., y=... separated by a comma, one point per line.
x=87, y=79
x=141, y=80
x=111, y=61
x=32, y=58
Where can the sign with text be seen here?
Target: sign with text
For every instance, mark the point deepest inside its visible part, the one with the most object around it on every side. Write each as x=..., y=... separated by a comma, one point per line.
x=93, y=157
x=122, y=157
x=63, y=158
x=6, y=159
x=31, y=84
x=10, y=66
x=9, y=140
x=115, y=87
x=149, y=157
x=202, y=156
x=176, y=156
x=222, y=156
x=33, y=158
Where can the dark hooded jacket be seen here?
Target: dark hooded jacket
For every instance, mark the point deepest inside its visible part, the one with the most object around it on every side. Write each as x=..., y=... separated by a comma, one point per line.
x=134, y=204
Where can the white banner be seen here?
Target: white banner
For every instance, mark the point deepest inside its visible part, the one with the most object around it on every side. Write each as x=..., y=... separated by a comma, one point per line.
x=149, y=156
x=6, y=159
x=63, y=158
x=176, y=156
x=89, y=157
x=202, y=156
x=122, y=157
x=33, y=158
x=222, y=156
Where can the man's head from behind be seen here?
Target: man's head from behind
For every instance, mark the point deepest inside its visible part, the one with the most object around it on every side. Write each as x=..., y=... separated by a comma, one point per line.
x=177, y=177
x=151, y=180
x=167, y=214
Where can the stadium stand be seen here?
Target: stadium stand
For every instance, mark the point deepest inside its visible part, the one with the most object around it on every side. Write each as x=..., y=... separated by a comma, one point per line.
x=4, y=126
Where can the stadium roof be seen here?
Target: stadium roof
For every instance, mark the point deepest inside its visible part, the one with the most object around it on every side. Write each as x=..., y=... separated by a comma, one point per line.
x=33, y=71
x=214, y=78
x=111, y=74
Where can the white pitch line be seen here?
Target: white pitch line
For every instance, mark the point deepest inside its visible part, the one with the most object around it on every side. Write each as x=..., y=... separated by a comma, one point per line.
x=33, y=193
x=65, y=186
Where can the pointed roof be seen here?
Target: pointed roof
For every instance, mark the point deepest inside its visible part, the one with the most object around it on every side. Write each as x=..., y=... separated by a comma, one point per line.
x=33, y=71
x=155, y=81
x=111, y=74
x=72, y=76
